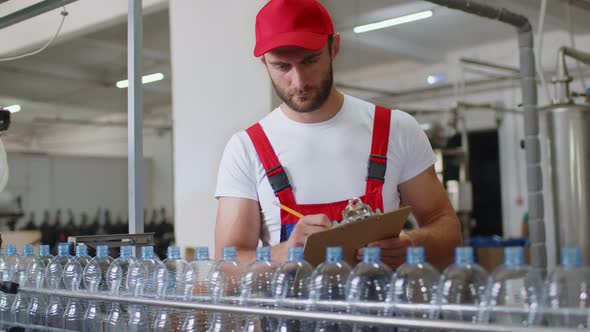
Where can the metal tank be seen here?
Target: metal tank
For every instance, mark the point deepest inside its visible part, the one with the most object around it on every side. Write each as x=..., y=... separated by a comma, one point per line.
x=566, y=127
x=568, y=136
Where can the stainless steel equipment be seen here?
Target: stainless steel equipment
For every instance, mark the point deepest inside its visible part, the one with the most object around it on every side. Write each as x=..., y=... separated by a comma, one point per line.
x=567, y=131
x=568, y=135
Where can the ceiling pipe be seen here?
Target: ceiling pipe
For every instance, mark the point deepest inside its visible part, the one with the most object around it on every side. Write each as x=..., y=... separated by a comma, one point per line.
x=32, y=11
x=531, y=119
x=563, y=78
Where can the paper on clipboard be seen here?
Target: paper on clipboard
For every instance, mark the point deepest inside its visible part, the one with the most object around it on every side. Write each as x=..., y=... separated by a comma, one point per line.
x=355, y=235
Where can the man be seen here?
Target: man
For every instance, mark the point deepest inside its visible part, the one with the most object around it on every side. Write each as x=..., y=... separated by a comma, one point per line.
x=320, y=148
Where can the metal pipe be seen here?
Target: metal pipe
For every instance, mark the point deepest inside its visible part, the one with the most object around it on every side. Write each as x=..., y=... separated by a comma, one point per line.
x=425, y=324
x=81, y=122
x=433, y=88
x=562, y=78
x=531, y=120
x=32, y=11
x=488, y=64
x=135, y=116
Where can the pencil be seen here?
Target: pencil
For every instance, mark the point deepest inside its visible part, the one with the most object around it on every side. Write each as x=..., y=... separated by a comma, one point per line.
x=289, y=210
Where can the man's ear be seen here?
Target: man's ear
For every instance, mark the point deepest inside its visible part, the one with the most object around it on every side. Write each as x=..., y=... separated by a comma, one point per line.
x=262, y=59
x=336, y=45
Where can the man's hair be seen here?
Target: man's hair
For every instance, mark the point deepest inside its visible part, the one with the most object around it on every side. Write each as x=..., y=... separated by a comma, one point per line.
x=330, y=42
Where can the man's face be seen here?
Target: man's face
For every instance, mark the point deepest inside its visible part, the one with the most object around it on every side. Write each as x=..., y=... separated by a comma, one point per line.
x=302, y=78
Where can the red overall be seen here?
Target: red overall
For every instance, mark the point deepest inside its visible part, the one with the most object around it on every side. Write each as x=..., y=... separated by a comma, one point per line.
x=282, y=188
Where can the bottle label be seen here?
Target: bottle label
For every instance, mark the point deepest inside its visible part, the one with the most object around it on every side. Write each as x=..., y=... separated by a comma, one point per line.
x=515, y=291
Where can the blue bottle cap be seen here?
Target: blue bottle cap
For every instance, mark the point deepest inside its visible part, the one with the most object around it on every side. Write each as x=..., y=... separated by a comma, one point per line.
x=296, y=254
x=333, y=254
x=126, y=251
x=147, y=252
x=464, y=256
x=174, y=252
x=263, y=254
x=202, y=254
x=571, y=258
x=102, y=251
x=372, y=255
x=229, y=254
x=63, y=249
x=81, y=250
x=11, y=250
x=44, y=250
x=28, y=250
x=513, y=257
x=415, y=255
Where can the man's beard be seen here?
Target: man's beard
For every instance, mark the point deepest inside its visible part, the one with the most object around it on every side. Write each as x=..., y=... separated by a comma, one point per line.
x=317, y=102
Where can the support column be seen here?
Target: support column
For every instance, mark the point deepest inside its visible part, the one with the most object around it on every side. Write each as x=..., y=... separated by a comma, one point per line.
x=219, y=88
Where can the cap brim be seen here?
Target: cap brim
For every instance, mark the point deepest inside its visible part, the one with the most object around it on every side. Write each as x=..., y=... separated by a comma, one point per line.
x=308, y=40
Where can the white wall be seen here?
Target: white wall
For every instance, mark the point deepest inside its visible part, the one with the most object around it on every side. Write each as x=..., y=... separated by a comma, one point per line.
x=81, y=183
x=106, y=143
x=218, y=89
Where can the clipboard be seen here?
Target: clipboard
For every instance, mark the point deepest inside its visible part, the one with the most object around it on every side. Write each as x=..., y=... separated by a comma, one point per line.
x=355, y=235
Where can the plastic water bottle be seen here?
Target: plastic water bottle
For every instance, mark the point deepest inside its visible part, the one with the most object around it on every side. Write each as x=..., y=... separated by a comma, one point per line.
x=567, y=290
x=328, y=283
x=30, y=272
x=53, y=280
x=8, y=269
x=196, y=287
x=117, y=275
x=291, y=282
x=463, y=283
x=168, y=319
x=18, y=310
x=225, y=289
x=45, y=254
x=82, y=257
x=368, y=284
x=4, y=276
x=414, y=287
x=136, y=280
x=63, y=256
x=257, y=285
x=95, y=281
x=74, y=310
x=513, y=295
x=37, y=304
x=147, y=277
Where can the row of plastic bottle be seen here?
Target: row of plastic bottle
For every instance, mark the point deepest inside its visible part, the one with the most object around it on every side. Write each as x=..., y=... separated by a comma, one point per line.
x=513, y=294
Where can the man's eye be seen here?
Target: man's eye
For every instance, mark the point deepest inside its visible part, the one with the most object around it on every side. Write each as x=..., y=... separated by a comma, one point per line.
x=284, y=67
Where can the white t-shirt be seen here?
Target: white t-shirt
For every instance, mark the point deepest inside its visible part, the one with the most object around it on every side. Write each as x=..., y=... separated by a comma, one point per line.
x=325, y=162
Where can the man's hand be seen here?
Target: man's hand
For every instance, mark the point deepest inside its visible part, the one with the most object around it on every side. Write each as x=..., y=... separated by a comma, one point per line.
x=306, y=226
x=393, y=250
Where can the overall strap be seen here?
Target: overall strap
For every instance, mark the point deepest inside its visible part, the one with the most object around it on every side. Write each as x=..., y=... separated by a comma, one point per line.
x=274, y=170
x=378, y=157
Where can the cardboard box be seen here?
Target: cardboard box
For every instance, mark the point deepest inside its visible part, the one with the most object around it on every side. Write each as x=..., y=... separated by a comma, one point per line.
x=492, y=257
x=20, y=238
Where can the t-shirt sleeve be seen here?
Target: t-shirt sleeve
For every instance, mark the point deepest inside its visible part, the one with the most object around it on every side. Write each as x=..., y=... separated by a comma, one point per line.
x=236, y=175
x=417, y=151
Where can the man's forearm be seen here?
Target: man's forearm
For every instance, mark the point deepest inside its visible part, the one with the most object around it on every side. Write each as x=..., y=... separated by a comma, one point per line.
x=278, y=254
x=439, y=237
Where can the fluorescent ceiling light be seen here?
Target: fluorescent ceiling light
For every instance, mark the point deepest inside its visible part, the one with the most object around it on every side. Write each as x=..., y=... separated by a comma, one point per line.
x=145, y=79
x=393, y=21
x=13, y=108
x=436, y=78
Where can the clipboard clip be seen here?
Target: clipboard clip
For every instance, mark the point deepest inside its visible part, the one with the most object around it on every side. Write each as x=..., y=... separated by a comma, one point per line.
x=356, y=210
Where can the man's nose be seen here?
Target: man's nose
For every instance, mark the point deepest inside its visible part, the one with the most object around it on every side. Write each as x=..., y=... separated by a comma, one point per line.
x=297, y=79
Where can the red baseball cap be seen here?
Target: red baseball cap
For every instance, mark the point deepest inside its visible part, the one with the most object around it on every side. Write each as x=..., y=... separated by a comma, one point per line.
x=301, y=23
